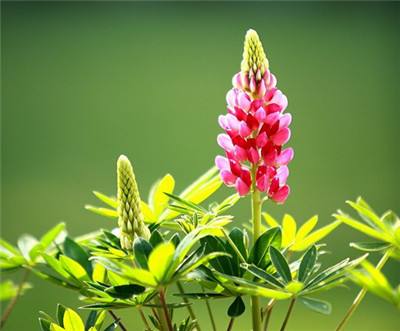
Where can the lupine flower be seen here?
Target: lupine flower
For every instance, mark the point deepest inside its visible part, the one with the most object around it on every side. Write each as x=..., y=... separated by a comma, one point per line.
x=256, y=128
x=130, y=217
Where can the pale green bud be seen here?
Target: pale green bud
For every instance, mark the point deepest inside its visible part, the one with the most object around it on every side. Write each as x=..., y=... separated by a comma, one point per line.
x=255, y=62
x=130, y=217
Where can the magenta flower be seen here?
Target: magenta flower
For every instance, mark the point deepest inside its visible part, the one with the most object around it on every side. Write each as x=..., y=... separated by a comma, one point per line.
x=256, y=128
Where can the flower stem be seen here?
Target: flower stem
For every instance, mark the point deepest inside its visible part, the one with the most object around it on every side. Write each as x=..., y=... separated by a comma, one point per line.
x=360, y=296
x=143, y=317
x=230, y=325
x=268, y=312
x=210, y=314
x=13, y=302
x=165, y=309
x=118, y=321
x=290, y=309
x=189, y=308
x=256, y=220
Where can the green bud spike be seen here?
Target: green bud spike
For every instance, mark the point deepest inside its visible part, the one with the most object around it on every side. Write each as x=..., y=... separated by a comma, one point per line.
x=254, y=62
x=130, y=217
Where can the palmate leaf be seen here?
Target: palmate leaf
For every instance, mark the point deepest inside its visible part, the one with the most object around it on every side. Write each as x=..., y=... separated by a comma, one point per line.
x=158, y=200
x=142, y=249
x=111, y=201
x=160, y=260
x=77, y=253
x=263, y=275
x=370, y=246
x=289, y=228
x=259, y=253
x=237, y=307
x=307, y=264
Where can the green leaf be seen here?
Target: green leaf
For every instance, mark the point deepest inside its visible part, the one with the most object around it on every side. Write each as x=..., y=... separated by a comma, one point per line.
x=9, y=290
x=74, y=268
x=112, y=202
x=239, y=239
x=314, y=237
x=272, y=222
x=280, y=264
x=7, y=248
x=307, y=264
x=362, y=227
x=158, y=199
x=261, y=274
x=91, y=320
x=142, y=250
x=77, y=253
x=125, y=291
x=306, y=228
x=259, y=253
x=370, y=246
x=111, y=327
x=60, y=314
x=289, y=228
x=102, y=211
x=237, y=307
x=26, y=243
x=100, y=319
x=55, y=327
x=223, y=263
x=316, y=305
x=49, y=237
x=72, y=321
x=160, y=260
x=156, y=238
x=368, y=215
x=44, y=324
x=202, y=260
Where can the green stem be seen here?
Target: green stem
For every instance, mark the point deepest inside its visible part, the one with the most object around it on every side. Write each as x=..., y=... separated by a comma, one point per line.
x=13, y=302
x=210, y=314
x=256, y=220
x=165, y=309
x=360, y=296
x=230, y=325
x=189, y=308
x=289, y=312
x=268, y=312
x=143, y=317
x=118, y=321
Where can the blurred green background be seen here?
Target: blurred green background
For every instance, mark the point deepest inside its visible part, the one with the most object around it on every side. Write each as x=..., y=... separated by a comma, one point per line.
x=84, y=82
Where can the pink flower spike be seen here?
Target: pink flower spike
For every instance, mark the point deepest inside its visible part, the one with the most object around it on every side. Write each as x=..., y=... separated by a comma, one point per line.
x=237, y=81
x=243, y=101
x=244, y=130
x=233, y=123
x=231, y=98
x=281, y=195
x=240, y=154
x=281, y=137
x=241, y=187
x=223, y=123
x=282, y=174
x=285, y=121
x=253, y=155
x=262, y=183
x=225, y=142
x=285, y=156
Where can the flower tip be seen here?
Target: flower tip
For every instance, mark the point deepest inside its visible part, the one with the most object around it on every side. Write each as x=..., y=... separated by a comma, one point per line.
x=254, y=61
x=123, y=158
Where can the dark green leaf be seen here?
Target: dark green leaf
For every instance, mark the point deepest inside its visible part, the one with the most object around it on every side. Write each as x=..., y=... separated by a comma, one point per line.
x=370, y=246
x=125, y=291
x=74, y=251
x=142, y=250
x=91, y=320
x=307, y=263
x=186, y=203
x=44, y=324
x=60, y=314
x=112, y=239
x=156, y=238
x=261, y=274
x=175, y=239
x=280, y=264
x=237, y=307
x=319, y=306
x=222, y=263
x=259, y=253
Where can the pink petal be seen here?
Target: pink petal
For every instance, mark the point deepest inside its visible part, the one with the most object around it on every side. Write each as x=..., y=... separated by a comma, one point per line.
x=285, y=121
x=272, y=118
x=243, y=101
x=240, y=154
x=252, y=84
x=260, y=114
x=285, y=156
x=281, y=137
x=261, y=140
x=237, y=81
x=244, y=130
x=222, y=163
x=231, y=98
x=282, y=174
x=253, y=155
x=223, y=123
x=225, y=142
x=233, y=123
x=262, y=183
x=241, y=187
x=262, y=89
x=281, y=195
x=228, y=178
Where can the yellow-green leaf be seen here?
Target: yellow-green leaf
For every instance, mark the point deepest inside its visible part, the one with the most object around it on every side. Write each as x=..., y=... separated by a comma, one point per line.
x=160, y=260
x=99, y=273
x=314, y=237
x=102, y=211
x=272, y=222
x=112, y=202
x=74, y=268
x=148, y=214
x=142, y=277
x=288, y=230
x=307, y=227
x=55, y=327
x=160, y=200
x=72, y=321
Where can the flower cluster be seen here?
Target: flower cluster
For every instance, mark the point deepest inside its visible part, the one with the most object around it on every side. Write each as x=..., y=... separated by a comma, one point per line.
x=256, y=128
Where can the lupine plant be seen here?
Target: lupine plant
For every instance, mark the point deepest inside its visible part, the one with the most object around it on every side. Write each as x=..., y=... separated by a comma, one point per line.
x=161, y=255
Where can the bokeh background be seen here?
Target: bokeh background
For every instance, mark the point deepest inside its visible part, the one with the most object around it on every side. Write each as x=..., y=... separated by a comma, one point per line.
x=84, y=82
